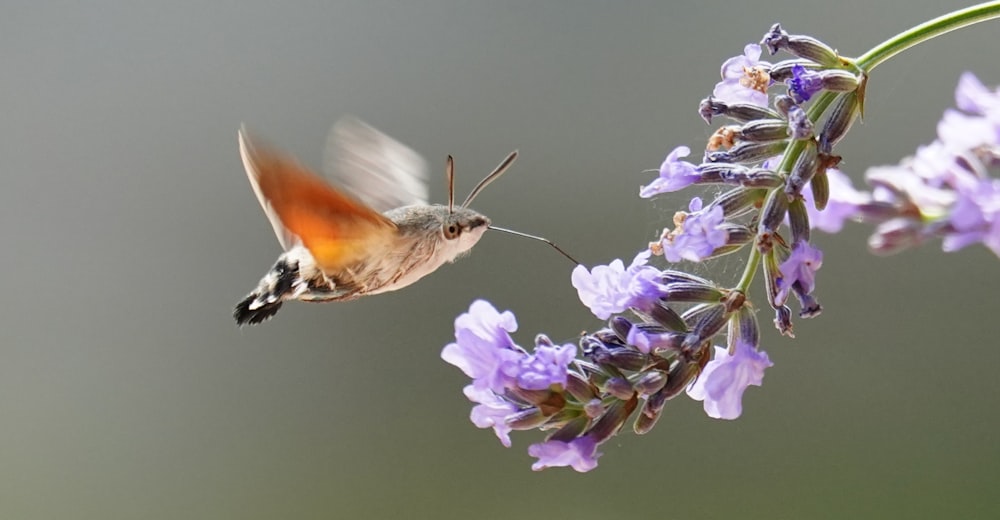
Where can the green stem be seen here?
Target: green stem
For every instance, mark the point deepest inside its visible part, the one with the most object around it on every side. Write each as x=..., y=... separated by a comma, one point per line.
x=748, y=271
x=926, y=31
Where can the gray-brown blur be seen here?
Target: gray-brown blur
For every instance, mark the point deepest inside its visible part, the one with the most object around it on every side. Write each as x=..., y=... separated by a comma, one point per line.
x=129, y=231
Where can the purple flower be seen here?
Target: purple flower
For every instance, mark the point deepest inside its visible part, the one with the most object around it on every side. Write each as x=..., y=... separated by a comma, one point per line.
x=698, y=236
x=675, y=174
x=547, y=366
x=960, y=131
x=801, y=267
x=725, y=378
x=610, y=289
x=973, y=97
x=804, y=83
x=744, y=78
x=841, y=206
x=976, y=217
x=483, y=349
x=646, y=342
x=580, y=453
x=490, y=412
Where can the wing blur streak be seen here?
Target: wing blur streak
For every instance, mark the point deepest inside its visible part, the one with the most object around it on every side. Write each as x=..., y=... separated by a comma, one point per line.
x=373, y=167
x=303, y=209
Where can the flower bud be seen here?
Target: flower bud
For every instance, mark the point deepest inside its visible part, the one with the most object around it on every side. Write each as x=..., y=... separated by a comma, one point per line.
x=736, y=201
x=803, y=170
x=650, y=382
x=800, y=45
x=748, y=152
x=688, y=292
x=740, y=112
x=581, y=389
x=775, y=209
x=798, y=220
x=668, y=317
x=611, y=422
x=842, y=115
x=783, y=71
x=619, y=388
x=763, y=130
x=783, y=321
x=820, y=185
x=650, y=412
x=527, y=419
x=708, y=325
x=744, y=329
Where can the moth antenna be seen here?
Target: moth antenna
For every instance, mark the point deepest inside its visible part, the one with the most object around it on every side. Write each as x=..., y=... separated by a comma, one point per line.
x=497, y=172
x=533, y=237
x=449, y=170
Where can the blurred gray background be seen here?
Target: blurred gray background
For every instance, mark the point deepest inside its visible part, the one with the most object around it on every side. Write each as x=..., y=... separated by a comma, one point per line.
x=129, y=231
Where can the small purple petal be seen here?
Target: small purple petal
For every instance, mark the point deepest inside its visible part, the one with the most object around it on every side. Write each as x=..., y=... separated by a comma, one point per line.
x=724, y=379
x=701, y=234
x=610, y=289
x=976, y=217
x=973, y=97
x=546, y=367
x=483, y=349
x=731, y=90
x=580, y=454
x=490, y=412
x=959, y=131
x=801, y=267
x=804, y=83
x=675, y=174
x=841, y=206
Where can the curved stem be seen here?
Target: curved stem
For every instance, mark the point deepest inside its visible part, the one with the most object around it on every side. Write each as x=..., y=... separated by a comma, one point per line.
x=926, y=31
x=749, y=271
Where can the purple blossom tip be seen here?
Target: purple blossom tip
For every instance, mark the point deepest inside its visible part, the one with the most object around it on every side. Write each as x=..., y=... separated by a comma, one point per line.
x=549, y=365
x=580, y=454
x=610, y=289
x=675, y=174
x=483, y=348
x=744, y=78
x=800, y=267
x=724, y=379
x=490, y=412
x=843, y=204
x=698, y=235
x=804, y=83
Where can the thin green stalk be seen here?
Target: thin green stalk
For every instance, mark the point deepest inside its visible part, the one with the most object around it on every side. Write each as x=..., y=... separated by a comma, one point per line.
x=926, y=31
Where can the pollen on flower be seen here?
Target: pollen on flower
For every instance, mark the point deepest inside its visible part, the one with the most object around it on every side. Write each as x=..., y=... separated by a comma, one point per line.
x=723, y=138
x=756, y=78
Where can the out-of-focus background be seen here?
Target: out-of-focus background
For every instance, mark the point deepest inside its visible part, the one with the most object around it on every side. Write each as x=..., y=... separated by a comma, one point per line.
x=129, y=231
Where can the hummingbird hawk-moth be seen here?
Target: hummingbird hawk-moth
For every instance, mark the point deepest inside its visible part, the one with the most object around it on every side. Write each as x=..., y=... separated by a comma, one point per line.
x=373, y=232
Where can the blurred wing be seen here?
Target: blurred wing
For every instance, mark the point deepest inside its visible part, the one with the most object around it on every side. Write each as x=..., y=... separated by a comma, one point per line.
x=336, y=229
x=373, y=167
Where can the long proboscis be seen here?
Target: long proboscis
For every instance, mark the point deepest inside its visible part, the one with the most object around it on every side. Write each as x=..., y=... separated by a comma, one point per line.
x=533, y=237
x=497, y=172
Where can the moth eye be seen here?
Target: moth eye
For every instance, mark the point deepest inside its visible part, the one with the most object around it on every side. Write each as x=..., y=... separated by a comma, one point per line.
x=451, y=231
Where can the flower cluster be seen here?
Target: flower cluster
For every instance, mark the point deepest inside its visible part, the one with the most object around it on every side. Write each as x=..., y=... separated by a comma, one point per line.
x=945, y=190
x=775, y=176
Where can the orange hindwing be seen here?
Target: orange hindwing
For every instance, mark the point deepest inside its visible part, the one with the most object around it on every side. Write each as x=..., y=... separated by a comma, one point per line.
x=303, y=208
